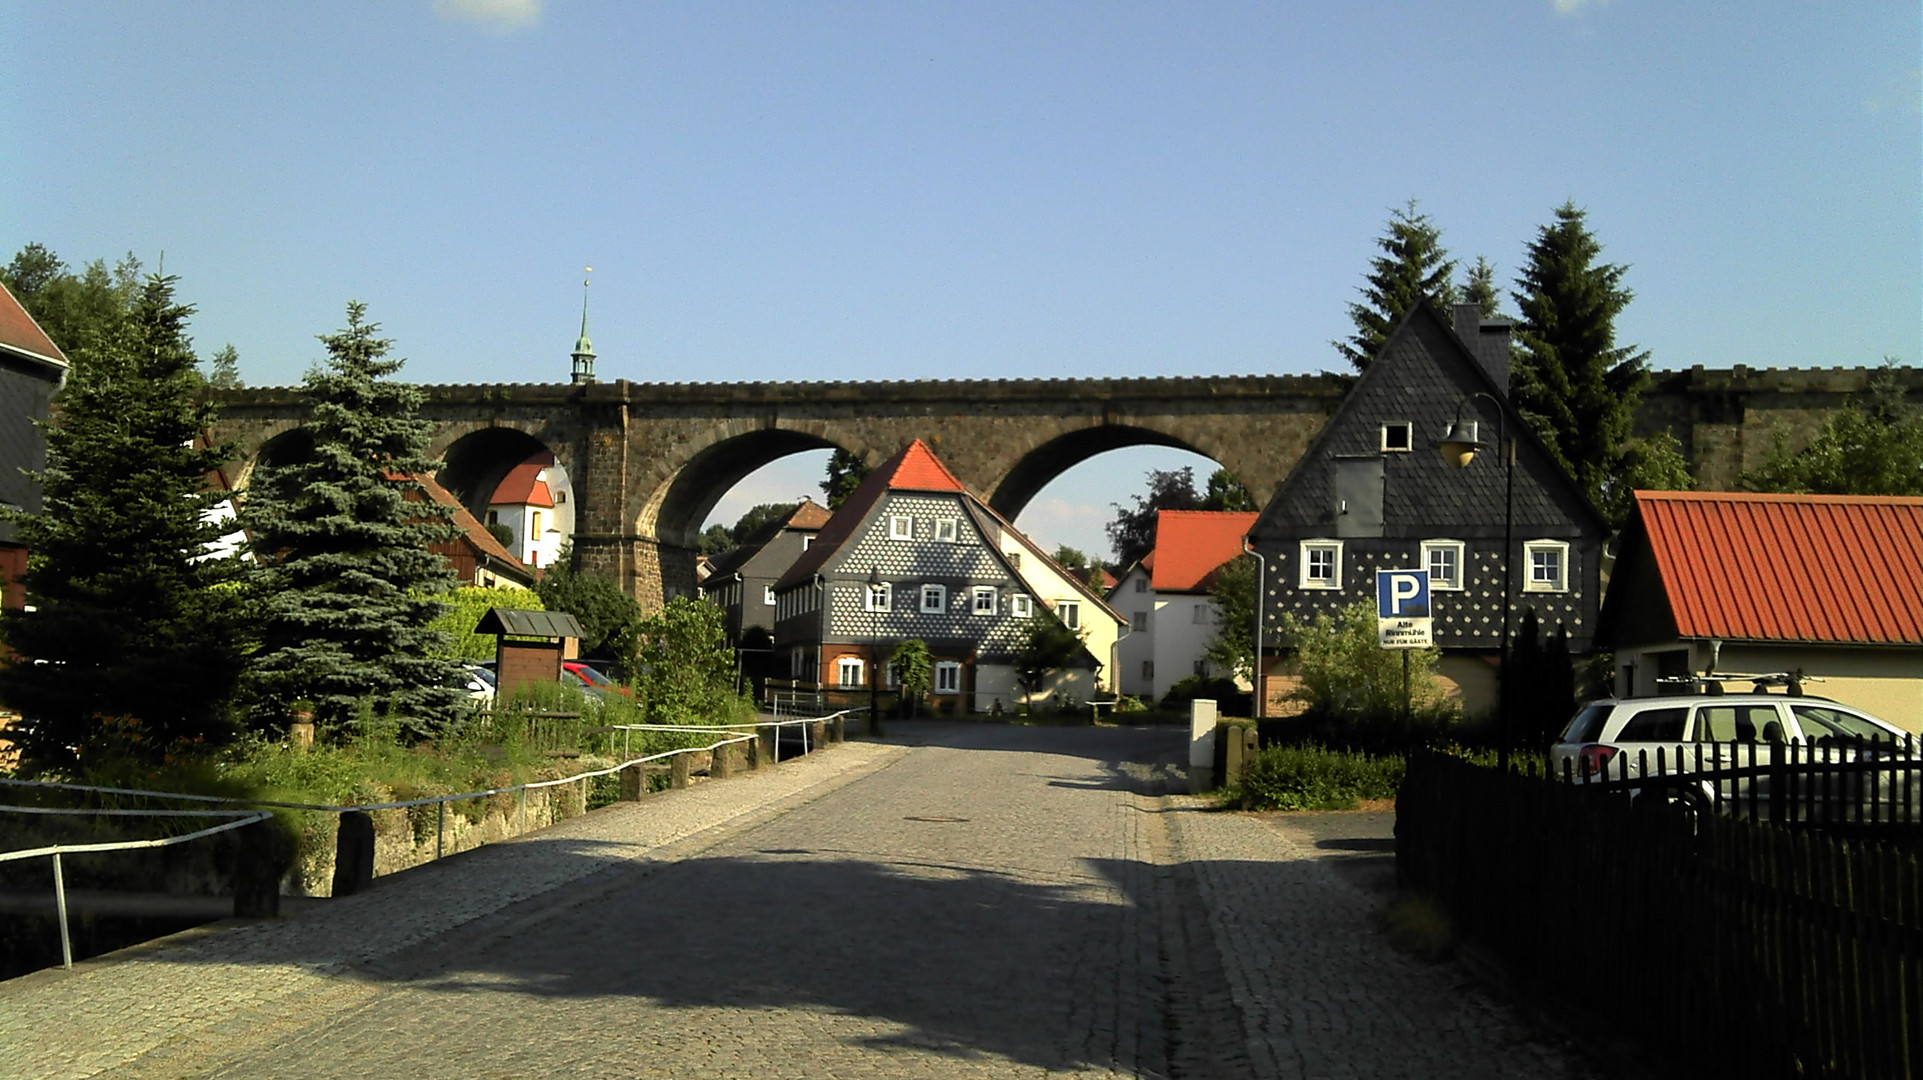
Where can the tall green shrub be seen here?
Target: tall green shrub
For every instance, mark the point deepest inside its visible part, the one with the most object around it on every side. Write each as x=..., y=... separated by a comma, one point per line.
x=1352, y=687
x=466, y=606
x=685, y=668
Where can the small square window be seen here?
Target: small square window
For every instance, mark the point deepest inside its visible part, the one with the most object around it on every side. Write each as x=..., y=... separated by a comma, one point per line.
x=1546, y=565
x=807, y=542
x=1398, y=436
x=1321, y=565
x=901, y=527
x=1140, y=621
x=1014, y=559
x=947, y=529
x=1148, y=669
x=1070, y=612
x=947, y=677
x=1021, y=606
x=849, y=671
x=1201, y=615
x=934, y=597
x=984, y=600
x=1141, y=584
x=878, y=597
x=1443, y=560
x=768, y=595
x=1202, y=668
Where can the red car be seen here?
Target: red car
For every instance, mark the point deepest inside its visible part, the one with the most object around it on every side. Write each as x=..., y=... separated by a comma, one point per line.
x=593, y=681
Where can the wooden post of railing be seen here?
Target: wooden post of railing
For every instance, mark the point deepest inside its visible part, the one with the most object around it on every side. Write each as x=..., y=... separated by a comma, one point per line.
x=354, y=853
x=678, y=771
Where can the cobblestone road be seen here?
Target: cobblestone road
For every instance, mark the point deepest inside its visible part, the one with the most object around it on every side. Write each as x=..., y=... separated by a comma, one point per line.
x=985, y=901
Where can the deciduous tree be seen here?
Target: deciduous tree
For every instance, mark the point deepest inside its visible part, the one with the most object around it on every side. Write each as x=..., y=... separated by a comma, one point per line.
x=350, y=588
x=1412, y=265
x=130, y=620
x=1867, y=447
x=1046, y=646
x=609, y=616
x=1132, y=533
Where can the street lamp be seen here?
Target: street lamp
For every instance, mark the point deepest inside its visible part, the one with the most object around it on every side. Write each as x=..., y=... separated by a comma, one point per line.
x=1459, y=448
x=874, y=650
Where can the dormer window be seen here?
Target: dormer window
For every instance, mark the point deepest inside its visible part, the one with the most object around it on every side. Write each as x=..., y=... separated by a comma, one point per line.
x=901, y=527
x=1398, y=436
x=948, y=529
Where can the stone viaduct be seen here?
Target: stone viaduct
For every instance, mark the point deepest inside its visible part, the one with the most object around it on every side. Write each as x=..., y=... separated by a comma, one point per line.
x=648, y=461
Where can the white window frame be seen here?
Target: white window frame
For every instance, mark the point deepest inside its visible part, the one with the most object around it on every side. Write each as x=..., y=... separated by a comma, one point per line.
x=878, y=597
x=1458, y=548
x=1557, y=548
x=1310, y=547
x=938, y=594
x=1408, y=432
x=847, y=665
x=1070, y=612
x=807, y=542
x=948, y=530
x=901, y=527
x=982, y=600
x=1021, y=605
x=768, y=595
x=947, y=677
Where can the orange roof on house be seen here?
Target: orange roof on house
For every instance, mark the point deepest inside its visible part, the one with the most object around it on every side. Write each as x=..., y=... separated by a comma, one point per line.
x=1843, y=569
x=917, y=468
x=523, y=486
x=1191, y=544
x=808, y=514
x=21, y=334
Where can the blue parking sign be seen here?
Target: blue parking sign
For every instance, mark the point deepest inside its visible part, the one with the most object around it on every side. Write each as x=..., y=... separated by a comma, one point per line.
x=1402, y=594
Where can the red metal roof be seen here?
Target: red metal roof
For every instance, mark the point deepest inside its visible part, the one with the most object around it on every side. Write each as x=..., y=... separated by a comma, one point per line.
x=1844, y=569
x=19, y=333
x=1190, y=544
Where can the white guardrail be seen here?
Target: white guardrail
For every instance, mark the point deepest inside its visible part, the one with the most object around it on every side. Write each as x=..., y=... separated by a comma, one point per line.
x=249, y=817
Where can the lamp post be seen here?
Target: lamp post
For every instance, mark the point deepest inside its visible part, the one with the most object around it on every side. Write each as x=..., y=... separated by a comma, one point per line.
x=1459, y=448
x=1261, y=594
x=874, y=652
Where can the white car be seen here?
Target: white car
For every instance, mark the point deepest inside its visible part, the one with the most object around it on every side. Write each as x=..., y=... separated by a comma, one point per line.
x=1824, y=746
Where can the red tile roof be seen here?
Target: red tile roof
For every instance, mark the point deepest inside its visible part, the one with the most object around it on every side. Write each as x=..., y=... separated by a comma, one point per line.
x=20, y=334
x=1191, y=544
x=523, y=487
x=1844, y=569
x=808, y=514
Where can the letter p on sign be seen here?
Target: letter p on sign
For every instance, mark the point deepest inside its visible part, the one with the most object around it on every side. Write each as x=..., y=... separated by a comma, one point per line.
x=1402, y=594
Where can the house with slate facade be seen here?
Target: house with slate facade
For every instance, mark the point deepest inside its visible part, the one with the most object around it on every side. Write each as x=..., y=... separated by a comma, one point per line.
x=945, y=569
x=1373, y=493
x=741, y=581
x=32, y=367
x=1829, y=587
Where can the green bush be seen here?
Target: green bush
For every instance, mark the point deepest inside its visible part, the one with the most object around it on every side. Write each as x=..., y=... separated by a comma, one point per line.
x=1312, y=777
x=467, y=604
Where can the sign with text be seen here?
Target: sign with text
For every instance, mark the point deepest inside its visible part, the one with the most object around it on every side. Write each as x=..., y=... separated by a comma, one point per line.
x=1402, y=609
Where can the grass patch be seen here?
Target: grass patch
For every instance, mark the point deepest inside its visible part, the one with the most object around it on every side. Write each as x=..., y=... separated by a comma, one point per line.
x=1307, y=776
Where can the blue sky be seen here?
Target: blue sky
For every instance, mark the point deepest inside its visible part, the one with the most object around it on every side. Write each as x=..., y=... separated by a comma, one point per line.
x=918, y=190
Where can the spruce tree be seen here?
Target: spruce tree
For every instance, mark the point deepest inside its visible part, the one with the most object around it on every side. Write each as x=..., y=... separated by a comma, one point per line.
x=1570, y=380
x=130, y=644
x=1412, y=265
x=1480, y=289
x=350, y=588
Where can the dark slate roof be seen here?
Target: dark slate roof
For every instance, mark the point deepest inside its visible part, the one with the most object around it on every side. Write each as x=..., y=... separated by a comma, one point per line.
x=529, y=623
x=1422, y=373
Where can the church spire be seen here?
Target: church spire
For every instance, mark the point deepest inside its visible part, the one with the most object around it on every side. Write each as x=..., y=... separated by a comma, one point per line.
x=584, y=349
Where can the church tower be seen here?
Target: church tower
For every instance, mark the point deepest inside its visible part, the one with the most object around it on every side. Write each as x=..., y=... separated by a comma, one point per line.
x=583, y=349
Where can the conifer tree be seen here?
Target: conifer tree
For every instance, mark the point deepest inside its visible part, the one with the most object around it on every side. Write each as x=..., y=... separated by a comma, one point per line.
x=1481, y=290
x=1572, y=382
x=1412, y=265
x=131, y=641
x=350, y=588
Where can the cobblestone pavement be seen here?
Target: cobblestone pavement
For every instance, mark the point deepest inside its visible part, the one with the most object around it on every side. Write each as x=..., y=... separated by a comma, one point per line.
x=984, y=901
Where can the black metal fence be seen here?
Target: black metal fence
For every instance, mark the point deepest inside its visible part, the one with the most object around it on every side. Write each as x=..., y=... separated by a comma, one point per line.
x=1763, y=933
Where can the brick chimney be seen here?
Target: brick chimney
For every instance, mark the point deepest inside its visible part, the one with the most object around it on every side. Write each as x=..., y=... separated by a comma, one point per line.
x=1488, y=342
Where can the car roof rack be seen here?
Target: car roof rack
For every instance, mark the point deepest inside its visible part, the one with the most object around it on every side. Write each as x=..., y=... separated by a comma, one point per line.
x=1761, y=683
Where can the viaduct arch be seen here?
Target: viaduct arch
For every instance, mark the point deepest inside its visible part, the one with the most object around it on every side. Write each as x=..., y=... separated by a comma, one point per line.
x=648, y=461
